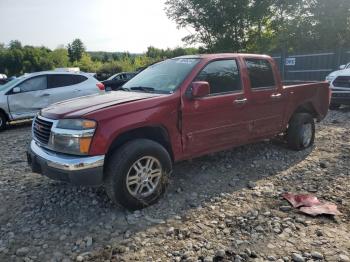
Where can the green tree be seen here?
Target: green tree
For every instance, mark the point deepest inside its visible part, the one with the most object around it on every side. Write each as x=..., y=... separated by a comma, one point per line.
x=105, y=58
x=59, y=57
x=110, y=68
x=220, y=25
x=331, y=23
x=76, y=49
x=15, y=44
x=86, y=64
x=264, y=25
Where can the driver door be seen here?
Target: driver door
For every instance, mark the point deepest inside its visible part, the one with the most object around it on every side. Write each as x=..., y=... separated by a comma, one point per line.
x=32, y=96
x=217, y=121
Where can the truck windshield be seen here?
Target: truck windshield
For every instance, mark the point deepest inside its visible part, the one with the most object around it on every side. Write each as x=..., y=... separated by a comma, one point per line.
x=164, y=77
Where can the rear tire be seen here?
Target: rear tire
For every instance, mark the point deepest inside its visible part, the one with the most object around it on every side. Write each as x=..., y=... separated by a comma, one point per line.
x=301, y=131
x=3, y=121
x=334, y=106
x=137, y=174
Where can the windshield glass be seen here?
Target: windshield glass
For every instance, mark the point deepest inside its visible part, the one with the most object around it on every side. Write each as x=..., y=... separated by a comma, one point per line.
x=9, y=84
x=163, y=77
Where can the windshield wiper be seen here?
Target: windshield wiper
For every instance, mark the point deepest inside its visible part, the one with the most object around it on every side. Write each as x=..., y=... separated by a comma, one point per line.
x=142, y=88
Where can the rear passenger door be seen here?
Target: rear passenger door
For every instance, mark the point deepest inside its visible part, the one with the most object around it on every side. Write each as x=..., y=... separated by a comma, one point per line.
x=266, y=101
x=66, y=86
x=218, y=120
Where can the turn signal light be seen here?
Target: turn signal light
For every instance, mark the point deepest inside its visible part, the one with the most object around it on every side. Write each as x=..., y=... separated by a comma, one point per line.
x=88, y=124
x=85, y=144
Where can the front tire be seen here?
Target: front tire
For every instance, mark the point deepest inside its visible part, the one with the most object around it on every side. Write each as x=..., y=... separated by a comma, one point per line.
x=137, y=174
x=301, y=131
x=3, y=121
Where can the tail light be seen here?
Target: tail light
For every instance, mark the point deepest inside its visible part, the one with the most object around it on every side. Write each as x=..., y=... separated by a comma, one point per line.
x=101, y=86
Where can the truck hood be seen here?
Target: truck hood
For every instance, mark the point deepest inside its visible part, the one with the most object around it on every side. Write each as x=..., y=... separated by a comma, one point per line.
x=345, y=72
x=80, y=106
x=339, y=72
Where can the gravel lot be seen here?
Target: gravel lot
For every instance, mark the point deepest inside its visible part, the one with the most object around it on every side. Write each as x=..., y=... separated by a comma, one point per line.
x=223, y=207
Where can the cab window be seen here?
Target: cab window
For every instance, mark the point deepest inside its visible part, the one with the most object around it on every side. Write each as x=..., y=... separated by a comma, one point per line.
x=260, y=73
x=223, y=76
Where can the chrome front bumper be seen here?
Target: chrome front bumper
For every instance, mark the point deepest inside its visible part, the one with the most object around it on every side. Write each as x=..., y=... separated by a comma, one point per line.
x=74, y=169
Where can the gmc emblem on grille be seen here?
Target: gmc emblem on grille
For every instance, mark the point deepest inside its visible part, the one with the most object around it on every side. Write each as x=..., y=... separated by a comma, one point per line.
x=39, y=127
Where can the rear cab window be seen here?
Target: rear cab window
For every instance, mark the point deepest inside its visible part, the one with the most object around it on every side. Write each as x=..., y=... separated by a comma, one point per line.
x=260, y=74
x=222, y=75
x=55, y=81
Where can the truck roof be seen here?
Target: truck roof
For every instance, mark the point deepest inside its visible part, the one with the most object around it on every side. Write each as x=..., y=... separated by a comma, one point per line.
x=222, y=55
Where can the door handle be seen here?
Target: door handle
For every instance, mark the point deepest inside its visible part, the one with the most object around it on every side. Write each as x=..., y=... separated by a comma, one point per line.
x=276, y=96
x=241, y=101
x=45, y=95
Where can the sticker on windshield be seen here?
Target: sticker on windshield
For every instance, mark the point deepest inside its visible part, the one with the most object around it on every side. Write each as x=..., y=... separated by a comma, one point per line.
x=185, y=61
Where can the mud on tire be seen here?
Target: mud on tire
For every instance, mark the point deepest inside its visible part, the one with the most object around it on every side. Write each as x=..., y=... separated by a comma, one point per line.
x=301, y=131
x=133, y=166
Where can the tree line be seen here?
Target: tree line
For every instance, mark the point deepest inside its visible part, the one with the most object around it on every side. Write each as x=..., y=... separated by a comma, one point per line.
x=16, y=59
x=263, y=26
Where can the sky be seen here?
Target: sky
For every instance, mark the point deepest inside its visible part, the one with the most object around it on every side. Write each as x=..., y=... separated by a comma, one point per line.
x=103, y=25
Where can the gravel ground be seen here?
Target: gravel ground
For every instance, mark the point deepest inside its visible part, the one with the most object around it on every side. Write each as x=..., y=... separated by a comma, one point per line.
x=222, y=207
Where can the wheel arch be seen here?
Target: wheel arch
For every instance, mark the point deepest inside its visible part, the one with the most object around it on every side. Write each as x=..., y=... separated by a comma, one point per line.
x=157, y=134
x=308, y=108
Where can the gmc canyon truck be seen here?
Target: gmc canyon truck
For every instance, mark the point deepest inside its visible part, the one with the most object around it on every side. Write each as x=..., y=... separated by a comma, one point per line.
x=178, y=109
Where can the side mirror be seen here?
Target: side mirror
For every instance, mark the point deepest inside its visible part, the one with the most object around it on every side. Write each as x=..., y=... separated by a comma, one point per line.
x=200, y=89
x=16, y=90
x=342, y=67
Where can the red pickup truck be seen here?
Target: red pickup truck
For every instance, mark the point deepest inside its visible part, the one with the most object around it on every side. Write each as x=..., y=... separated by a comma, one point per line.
x=178, y=109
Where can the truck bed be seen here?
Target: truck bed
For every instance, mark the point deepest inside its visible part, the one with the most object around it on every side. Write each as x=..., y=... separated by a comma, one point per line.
x=314, y=95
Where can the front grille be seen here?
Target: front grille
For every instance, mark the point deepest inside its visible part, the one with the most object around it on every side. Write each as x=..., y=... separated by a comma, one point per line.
x=42, y=130
x=341, y=95
x=342, y=81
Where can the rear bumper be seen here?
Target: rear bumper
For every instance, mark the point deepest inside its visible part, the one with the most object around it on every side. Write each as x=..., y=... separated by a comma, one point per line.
x=76, y=170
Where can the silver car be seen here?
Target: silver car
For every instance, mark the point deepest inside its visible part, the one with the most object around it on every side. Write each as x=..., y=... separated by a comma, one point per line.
x=23, y=97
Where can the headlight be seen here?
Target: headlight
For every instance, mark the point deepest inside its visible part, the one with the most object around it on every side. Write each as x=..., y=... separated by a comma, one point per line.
x=76, y=124
x=72, y=136
x=330, y=78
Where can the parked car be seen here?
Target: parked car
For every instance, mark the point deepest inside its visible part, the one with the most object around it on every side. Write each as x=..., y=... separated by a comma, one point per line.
x=3, y=79
x=340, y=87
x=24, y=96
x=334, y=74
x=178, y=109
x=117, y=80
